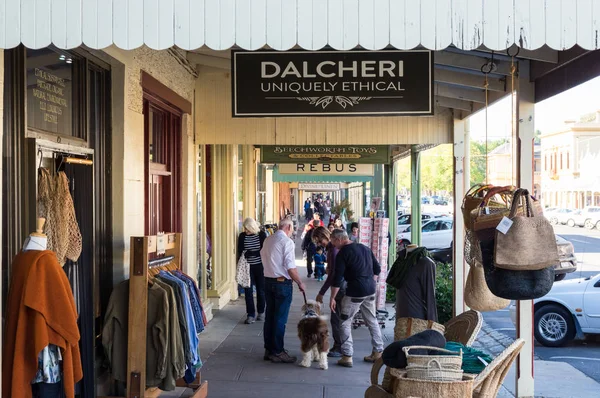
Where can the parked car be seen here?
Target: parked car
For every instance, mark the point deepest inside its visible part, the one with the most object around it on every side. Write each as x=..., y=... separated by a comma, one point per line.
x=405, y=220
x=588, y=217
x=568, y=260
x=559, y=216
x=571, y=306
x=549, y=210
x=436, y=233
x=438, y=200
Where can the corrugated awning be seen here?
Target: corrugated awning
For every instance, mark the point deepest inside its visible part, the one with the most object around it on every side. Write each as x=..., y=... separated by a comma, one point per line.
x=307, y=24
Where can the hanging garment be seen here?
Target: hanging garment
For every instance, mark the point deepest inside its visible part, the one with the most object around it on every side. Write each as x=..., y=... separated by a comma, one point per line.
x=413, y=275
x=40, y=311
x=183, y=326
x=157, y=335
x=194, y=300
x=175, y=354
x=114, y=332
x=192, y=335
x=56, y=205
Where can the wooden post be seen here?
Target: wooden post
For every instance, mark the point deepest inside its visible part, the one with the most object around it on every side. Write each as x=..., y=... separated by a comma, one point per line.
x=525, y=134
x=415, y=195
x=460, y=186
x=138, y=315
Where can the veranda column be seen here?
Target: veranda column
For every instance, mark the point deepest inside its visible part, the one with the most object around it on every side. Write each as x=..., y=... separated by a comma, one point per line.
x=415, y=195
x=393, y=213
x=525, y=133
x=460, y=187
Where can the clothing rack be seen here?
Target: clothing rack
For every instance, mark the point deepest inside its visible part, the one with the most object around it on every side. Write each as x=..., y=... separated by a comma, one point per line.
x=141, y=248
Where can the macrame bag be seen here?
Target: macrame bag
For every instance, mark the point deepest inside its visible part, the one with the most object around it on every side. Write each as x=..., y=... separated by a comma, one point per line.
x=477, y=294
x=529, y=244
x=242, y=275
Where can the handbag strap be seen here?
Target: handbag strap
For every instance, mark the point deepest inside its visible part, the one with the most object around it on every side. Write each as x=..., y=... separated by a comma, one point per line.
x=478, y=188
x=521, y=194
x=493, y=192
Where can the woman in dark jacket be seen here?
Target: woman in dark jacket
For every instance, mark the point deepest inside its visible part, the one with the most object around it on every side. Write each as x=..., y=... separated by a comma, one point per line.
x=251, y=241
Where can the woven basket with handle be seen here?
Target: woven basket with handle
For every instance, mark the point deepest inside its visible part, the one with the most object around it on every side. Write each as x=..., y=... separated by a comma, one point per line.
x=448, y=360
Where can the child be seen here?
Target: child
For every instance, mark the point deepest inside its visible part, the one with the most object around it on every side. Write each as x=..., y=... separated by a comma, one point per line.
x=319, y=264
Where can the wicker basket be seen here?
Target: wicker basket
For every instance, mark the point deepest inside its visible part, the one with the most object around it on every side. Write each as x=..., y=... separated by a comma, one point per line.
x=408, y=387
x=406, y=327
x=451, y=361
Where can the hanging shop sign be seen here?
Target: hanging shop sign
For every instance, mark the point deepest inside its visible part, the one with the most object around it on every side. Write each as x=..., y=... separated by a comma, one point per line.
x=374, y=154
x=332, y=83
x=350, y=169
x=319, y=187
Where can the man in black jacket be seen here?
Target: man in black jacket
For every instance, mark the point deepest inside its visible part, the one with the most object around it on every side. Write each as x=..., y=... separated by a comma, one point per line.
x=309, y=246
x=356, y=264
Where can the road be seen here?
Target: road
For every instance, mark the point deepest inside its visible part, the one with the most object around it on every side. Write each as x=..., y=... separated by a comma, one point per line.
x=583, y=355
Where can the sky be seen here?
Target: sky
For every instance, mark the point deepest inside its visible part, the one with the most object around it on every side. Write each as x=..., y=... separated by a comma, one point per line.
x=550, y=114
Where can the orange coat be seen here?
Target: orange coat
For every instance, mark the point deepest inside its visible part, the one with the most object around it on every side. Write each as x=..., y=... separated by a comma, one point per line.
x=40, y=311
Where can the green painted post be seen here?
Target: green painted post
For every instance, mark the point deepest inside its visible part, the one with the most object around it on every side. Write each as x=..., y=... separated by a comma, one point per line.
x=415, y=195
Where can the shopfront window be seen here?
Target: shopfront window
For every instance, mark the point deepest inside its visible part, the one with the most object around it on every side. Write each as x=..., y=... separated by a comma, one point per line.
x=53, y=85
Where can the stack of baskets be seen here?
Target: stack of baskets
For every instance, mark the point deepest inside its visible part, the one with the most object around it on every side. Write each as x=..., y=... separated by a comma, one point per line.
x=444, y=367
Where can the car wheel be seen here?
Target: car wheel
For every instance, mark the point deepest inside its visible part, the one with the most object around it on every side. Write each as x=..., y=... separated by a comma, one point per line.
x=559, y=277
x=571, y=223
x=553, y=326
x=554, y=221
x=589, y=224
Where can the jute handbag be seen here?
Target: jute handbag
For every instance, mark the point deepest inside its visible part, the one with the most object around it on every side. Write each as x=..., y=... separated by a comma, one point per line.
x=472, y=200
x=485, y=218
x=477, y=294
x=530, y=243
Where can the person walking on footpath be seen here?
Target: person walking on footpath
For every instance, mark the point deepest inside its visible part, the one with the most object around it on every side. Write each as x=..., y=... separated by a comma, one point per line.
x=306, y=207
x=280, y=270
x=321, y=236
x=309, y=247
x=356, y=264
x=251, y=241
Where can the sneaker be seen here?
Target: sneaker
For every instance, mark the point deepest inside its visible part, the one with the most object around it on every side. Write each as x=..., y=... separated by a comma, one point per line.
x=260, y=316
x=283, y=357
x=373, y=357
x=345, y=362
x=249, y=320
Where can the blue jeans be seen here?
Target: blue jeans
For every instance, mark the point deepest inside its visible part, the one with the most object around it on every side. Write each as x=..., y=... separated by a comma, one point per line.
x=257, y=279
x=319, y=270
x=279, y=299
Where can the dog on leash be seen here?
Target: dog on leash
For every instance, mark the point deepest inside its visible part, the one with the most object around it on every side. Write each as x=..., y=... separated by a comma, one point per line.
x=314, y=335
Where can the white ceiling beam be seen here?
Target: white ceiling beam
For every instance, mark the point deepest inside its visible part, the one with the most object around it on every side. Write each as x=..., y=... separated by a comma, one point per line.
x=453, y=103
x=468, y=80
x=470, y=62
x=444, y=90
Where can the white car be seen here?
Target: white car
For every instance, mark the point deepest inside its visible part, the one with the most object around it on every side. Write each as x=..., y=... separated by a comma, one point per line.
x=571, y=307
x=437, y=233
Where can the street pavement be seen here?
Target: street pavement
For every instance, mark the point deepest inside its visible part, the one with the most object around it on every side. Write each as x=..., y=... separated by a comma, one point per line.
x=583, y=355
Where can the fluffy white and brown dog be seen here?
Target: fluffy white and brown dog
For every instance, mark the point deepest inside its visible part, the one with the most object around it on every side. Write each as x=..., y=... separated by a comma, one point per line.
x=314, y=335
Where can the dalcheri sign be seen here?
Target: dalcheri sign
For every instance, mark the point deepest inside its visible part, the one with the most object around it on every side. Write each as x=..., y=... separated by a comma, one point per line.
x=313, y=186
x=374, y=154
x=338, y=169
x=330, y=83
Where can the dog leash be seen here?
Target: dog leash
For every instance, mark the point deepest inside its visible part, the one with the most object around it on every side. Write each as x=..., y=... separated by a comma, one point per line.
x=304, y=294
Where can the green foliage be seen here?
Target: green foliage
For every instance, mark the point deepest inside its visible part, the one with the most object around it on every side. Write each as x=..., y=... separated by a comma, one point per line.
x=443, y=292
x=344, y=204
x=478, y=158
x=390, y=295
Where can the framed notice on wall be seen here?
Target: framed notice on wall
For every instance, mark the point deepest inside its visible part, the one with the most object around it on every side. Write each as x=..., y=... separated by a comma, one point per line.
x=332, y=83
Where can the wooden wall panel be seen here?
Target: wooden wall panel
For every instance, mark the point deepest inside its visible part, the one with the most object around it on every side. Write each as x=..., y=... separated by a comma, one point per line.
x=214, y=124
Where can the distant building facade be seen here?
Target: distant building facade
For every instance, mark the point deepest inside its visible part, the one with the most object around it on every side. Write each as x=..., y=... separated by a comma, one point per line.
x=501, y=169
x=570, y=164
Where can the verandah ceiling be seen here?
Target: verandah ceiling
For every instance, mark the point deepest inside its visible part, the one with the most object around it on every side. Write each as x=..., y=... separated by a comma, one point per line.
x=308, y=24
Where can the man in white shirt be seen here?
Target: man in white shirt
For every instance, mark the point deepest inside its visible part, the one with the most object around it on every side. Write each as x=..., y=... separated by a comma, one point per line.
x=279, y=263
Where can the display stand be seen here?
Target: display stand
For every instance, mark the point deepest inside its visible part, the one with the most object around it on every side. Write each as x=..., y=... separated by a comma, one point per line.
x=141, y=249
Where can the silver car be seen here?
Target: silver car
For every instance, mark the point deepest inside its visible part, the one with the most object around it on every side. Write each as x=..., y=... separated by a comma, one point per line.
x=568, y=261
